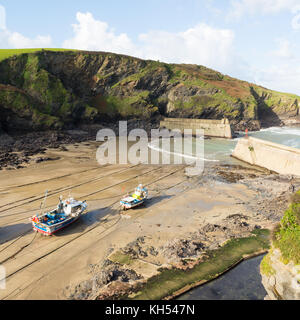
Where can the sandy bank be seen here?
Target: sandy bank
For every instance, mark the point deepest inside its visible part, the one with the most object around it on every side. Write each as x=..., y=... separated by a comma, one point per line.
x=183, y=219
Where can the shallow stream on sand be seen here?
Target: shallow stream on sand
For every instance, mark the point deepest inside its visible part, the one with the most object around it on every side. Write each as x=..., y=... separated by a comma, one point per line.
x=241, y=283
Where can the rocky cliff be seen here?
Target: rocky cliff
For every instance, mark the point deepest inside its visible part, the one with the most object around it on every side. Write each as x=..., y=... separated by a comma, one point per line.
x=282, y=281
x=280, y=269
x=53, y=90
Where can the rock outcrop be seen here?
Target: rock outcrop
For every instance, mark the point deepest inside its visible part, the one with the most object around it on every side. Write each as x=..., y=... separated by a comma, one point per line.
x=280, y=269
x=54, y=90
x=281, y=281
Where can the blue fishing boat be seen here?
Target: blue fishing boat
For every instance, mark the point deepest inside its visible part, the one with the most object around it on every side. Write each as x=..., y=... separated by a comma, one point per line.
x=138, y=198
x=66, y=213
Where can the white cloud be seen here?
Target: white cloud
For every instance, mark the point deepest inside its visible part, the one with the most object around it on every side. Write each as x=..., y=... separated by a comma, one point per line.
x=241, y=7
x=283, y=77
x=17, y=40
x=2, y=18
x=201, y=44
x=91, y=34
x=13, y=40
x=296, y=19
x=282, y=72
x=284, y=49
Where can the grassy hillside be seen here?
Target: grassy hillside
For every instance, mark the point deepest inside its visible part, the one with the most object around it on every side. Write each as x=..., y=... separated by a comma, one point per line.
x=69, y=87
x=7, y=53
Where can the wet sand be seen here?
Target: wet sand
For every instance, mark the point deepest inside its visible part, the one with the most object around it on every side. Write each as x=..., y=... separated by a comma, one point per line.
x=41, y=267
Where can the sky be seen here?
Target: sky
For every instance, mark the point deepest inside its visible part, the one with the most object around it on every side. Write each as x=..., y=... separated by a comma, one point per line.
x=253, y=40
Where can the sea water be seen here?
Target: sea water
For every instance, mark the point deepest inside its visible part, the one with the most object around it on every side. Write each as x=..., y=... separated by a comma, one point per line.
x=241, y=283
x=218, y=150
x=221, y=149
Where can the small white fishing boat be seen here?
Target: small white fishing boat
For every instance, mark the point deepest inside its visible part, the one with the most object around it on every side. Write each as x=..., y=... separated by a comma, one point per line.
x=67, y=212
x=138, y=198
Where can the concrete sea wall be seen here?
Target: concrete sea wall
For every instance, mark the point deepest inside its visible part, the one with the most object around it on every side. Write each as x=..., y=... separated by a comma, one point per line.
x=212, y=128
x=273, y=156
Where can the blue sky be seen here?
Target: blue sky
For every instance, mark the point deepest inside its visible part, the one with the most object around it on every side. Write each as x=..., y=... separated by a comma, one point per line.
x=254, y=40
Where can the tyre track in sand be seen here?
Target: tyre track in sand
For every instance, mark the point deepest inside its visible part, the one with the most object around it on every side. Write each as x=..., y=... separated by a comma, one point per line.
x=83, y=197
x=99, y=191
x=32, y=199
x=117, y=220
x=47, y=180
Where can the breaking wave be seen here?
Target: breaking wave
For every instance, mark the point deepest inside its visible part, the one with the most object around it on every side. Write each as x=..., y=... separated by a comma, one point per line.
x=182, y=155
x=289, y=136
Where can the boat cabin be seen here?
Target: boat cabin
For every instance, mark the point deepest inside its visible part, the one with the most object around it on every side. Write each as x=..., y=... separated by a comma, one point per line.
x=72, y=206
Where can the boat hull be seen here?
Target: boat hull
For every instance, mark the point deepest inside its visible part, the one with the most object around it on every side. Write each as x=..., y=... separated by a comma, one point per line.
x=130, y=205
x=51, y=230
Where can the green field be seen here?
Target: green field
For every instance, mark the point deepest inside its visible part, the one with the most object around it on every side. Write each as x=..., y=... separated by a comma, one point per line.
x=6, y=53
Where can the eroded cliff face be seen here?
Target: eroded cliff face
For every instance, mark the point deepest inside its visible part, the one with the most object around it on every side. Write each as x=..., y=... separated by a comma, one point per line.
x=281, y=281
x=53, y=90
x=280, y=269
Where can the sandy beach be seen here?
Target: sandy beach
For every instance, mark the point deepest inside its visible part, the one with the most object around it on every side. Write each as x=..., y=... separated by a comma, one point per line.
x=183, y=218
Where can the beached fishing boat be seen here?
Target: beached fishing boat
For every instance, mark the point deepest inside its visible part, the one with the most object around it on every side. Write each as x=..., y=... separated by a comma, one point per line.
x=67, y=212
x=138, y=198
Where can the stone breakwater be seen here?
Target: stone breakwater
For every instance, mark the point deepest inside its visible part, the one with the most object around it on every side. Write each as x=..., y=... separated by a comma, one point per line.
x=212, y=128
x=272, y=156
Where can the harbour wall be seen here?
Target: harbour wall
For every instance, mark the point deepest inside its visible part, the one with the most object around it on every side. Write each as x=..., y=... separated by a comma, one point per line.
x=269, y=155
x=212, y=128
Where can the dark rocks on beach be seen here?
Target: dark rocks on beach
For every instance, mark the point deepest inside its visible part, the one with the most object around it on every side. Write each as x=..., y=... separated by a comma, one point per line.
x=180, y=249
x=33, y=143
x=213, y=228
x=135, y=249
x=235, y=173
x=230, y=177
x=40, y=159
x=153, y=251
x=238, y=223
x=251, y=125
x=107, y=273
x=18, y=149
x=13, y=160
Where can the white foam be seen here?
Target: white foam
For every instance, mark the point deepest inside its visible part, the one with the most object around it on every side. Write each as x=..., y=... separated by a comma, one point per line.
x=179, y=154
x=282, y=130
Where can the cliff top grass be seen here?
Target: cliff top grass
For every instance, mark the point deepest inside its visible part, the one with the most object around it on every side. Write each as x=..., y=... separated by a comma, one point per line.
x=7, y=53
x=287, y=235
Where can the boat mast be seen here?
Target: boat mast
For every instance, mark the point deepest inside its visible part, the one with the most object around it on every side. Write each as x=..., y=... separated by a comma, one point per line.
x=44, y=203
